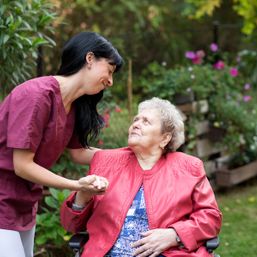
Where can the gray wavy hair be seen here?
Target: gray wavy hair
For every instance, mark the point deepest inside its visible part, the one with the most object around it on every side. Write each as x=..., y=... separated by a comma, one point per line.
x=171, y=118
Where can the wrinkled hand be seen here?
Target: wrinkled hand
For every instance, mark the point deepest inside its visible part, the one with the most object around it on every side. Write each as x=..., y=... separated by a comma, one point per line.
x=155, y=241
x=93, y=184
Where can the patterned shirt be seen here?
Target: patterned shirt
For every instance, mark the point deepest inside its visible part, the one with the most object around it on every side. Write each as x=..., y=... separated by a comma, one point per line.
x=135, y=223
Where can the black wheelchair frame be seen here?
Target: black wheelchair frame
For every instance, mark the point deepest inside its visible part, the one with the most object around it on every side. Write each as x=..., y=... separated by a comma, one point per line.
x=78, y=240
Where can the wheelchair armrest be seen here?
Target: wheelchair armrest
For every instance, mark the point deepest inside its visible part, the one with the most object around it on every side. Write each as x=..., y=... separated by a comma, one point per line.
x=78, y=240
x=212, y=244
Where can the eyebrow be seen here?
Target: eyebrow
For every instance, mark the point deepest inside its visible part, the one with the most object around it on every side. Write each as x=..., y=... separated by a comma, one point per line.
x=143, y=117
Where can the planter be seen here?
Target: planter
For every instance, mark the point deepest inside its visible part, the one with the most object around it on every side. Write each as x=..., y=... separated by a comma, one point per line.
x=227, y=178
x=180, y=98
x=200, y=106
x=216, y=134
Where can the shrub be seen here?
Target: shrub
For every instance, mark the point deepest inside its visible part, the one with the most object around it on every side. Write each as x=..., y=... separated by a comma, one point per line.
x=23, y=28
x=49, y=231
x=229, y=94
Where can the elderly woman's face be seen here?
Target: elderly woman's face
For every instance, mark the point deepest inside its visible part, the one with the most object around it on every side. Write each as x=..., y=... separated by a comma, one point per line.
x=145, y=130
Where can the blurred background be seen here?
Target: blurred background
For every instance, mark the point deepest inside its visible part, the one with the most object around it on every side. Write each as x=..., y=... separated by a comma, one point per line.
x=200, y=55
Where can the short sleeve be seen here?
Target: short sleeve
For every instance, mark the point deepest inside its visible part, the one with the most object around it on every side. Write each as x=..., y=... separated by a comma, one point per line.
x=28, y=117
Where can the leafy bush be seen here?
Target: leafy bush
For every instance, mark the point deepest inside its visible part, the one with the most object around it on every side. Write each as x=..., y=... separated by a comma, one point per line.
x=49, y=230
x=23, y=28
x=230, y=97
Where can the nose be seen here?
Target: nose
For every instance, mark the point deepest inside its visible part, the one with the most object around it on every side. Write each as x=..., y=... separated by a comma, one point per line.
x=110, y=81
x=136, y=124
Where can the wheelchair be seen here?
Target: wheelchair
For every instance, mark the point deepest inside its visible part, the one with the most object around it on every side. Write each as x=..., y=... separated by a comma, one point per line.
x=78, y=240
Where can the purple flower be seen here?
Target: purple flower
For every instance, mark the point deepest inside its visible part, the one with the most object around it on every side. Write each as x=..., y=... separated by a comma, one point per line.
x=247, y=98
x=233, y=72
x=190, y=55
x=247, y=86
x=219, y=65
x=214, y=47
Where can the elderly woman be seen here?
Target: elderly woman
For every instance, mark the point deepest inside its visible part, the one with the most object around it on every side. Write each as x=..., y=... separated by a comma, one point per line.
x=157, y=202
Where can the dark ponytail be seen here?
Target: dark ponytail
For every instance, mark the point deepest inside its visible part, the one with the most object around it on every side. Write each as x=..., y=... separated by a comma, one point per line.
x=87, y=120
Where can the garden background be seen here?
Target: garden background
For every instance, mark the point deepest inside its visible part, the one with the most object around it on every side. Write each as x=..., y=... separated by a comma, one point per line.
x=201, y=55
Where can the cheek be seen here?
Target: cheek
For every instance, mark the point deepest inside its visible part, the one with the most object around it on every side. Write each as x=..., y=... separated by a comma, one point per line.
x=130, y=129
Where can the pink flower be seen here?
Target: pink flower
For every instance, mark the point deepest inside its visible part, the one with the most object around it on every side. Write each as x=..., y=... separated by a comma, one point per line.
x=247, y=98
x=219, y=65
x=190, y=55
x=214, y=47
x=117, y=109
x=100, y=142
x=106, y=118
x=197, y=60
x=196, y=57
x=200, y=53
x=247, y=86
x=233, y=72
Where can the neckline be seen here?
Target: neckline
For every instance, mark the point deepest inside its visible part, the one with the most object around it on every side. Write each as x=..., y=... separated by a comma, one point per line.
x=153, y=170
x=60, y=98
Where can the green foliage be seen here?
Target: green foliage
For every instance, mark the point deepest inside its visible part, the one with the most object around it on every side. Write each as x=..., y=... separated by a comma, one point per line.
x=230, y=97
x=157, y=80
x=48, y=228
x=247, y=9
x=117, y=121
x=238, y=204
x=23, y=28
x=248, y=65
x=198, y=8
x=67, y=168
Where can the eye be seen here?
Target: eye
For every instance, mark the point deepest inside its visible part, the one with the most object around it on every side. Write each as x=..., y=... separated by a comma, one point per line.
x=146, y=121
x=135, y=119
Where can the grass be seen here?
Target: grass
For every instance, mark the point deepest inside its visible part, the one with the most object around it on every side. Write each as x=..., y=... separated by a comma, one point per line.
x=239, y=230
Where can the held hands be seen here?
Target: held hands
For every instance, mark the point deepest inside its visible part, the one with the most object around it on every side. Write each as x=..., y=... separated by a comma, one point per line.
x=155, y=241
x=93, y=184
x=89, y=186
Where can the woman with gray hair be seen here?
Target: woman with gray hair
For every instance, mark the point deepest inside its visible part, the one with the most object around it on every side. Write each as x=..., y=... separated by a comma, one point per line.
x=158, y=201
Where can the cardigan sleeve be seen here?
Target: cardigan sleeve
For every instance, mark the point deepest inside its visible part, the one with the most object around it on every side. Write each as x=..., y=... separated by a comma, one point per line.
x=204, y=222
x=74, y=221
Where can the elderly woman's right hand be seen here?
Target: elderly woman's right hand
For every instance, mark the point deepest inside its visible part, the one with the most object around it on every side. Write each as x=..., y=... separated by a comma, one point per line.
x=93, y=184
x=89, y=186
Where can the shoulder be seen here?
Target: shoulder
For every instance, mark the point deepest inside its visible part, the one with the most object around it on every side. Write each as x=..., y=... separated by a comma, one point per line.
x=36, y=86
x=112, y=159
x=37, y=91
x=111, y=154
x=186, y=163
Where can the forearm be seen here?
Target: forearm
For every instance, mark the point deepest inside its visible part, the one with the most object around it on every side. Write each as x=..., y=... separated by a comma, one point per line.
x=82, y=198
x=74, y=221
x=83, y=156
x=39, y=175
x=26, y=168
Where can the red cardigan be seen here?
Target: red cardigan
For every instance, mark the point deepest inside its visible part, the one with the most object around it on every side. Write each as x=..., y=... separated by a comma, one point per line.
x=177, y=194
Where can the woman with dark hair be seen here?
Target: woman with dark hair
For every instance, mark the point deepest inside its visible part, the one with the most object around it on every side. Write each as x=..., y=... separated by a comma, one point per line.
x=38, y=120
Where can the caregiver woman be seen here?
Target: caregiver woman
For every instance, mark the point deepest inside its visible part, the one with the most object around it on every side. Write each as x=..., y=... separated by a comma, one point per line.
x=38, y=120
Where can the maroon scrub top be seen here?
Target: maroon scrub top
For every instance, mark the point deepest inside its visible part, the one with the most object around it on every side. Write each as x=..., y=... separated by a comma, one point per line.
x=31, y=117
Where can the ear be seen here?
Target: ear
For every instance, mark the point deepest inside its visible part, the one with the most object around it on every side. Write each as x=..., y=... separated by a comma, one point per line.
x=89, y=57
x=165, y=140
